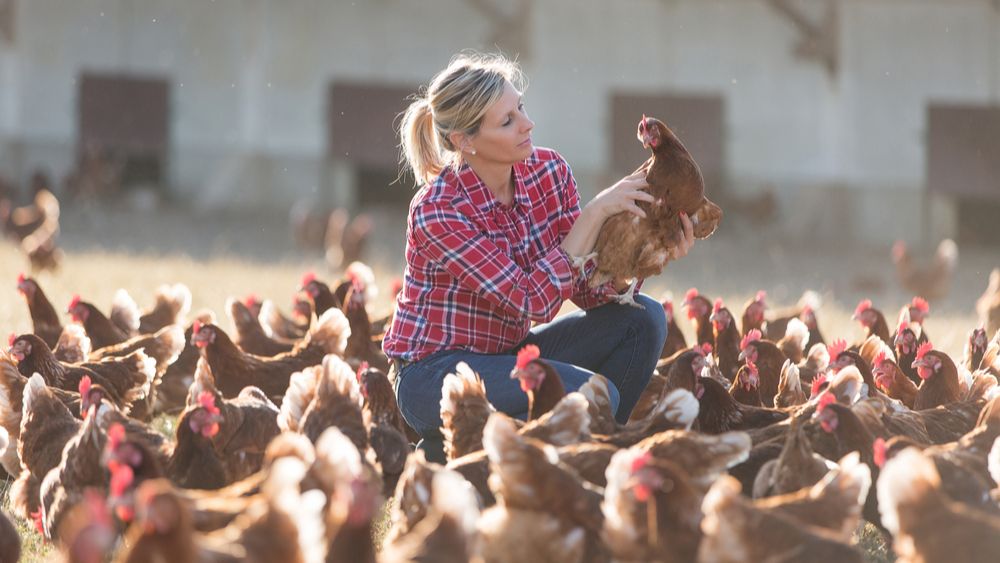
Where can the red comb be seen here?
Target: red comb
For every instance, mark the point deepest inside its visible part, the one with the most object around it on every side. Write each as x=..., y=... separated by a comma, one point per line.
x=207, y=402
x=807, y=309
x=668, y=305
x=196, y=327
x=921, y=304
x=878, y=452
x=691, y=294
x=817, y=384
x=251, y=300
x=706, y=349
x=717, y=306
x=761, y=295
x=11, y=339
x=879, y=358
x=84, y=387
x=923, y=349
x=863, y=306
x=74, y=301
x=116, y=435
x=307, y=278
x=825, y=400
x=526, y=355
x=21, y=278
x=640, y=461
x=752, y=336
x=838, y=347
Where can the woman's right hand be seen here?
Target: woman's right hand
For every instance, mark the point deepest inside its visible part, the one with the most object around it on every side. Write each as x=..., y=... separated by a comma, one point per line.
x=622, y=197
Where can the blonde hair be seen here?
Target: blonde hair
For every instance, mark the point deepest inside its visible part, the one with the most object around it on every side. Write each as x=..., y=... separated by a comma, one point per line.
x=455, y=101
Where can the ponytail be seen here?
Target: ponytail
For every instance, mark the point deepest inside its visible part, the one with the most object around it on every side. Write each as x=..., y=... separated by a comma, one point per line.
x=420, y=147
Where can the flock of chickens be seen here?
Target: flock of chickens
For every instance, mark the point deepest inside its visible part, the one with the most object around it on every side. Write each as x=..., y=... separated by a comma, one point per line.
x=759, y=441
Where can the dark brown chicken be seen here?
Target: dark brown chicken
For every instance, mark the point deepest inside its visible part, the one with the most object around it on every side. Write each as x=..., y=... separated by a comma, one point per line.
x=250, y=335
x=699, y=311
x=940, y=379
x=634, y=248
x=44, y=319
x=119, y=326
x=234, y=369
x=727, y=340
x=675, y=341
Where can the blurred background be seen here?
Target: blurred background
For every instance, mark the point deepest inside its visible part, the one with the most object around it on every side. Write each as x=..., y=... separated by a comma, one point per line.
x=826, y=129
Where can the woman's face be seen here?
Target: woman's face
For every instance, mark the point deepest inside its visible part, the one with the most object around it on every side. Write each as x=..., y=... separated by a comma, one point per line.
x=505, y=133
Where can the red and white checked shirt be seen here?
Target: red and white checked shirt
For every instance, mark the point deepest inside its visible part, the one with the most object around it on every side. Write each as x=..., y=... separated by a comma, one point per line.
x=478, y=273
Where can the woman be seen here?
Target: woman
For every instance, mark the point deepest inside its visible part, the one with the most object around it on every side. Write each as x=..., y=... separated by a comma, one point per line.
x=496, y=240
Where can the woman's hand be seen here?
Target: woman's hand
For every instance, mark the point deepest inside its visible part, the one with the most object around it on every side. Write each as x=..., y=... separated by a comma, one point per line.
x=686, y=240
x=622, y=197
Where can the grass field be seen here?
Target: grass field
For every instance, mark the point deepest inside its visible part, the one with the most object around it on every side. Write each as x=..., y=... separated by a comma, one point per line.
x=223, y=256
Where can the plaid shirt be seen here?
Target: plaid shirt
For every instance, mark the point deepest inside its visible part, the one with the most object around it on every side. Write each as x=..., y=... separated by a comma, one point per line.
x=478, y=273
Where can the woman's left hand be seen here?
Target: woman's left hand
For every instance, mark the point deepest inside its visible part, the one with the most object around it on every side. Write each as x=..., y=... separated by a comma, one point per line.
x=686, y=240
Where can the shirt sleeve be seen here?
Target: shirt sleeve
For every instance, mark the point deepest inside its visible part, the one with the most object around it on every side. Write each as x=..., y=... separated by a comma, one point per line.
x=584, y=296
x=450, y=239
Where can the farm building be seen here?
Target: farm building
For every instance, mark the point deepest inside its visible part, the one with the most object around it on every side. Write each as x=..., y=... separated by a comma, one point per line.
x=863, y=117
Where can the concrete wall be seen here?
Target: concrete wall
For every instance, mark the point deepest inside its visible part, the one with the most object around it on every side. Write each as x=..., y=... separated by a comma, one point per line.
x=249, y=83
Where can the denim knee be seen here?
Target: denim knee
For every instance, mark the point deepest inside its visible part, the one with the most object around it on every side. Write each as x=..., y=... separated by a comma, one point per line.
x=651, y=322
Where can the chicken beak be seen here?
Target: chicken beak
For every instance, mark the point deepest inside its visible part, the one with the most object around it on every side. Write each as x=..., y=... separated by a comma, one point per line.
x=743, y=354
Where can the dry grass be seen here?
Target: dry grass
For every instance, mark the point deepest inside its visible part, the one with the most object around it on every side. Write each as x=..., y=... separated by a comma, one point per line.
x=232, y=257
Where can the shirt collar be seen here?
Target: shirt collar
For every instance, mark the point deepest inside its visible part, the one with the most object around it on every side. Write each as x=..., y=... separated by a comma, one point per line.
x=482, y=197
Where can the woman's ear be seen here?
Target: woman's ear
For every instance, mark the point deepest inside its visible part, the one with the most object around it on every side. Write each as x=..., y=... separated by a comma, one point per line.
x=462, y=142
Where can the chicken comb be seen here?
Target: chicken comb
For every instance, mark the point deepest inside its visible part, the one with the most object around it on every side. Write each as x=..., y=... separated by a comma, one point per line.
x=923, y=349
x=879, y=358
x=642, y=123
x=761, y=296
x=706, y=349
x=11, y=339
x=807, y=309
x=363, y=367
x=878, y=452
x=251, y=300
x=526, y=355
x=838, y=347
x=21, y=277
x=207, y=401
x=307, y=278
x=817, y=384
x=116, y=435
x=691, y=295
x=73, y=302
x=84, y=387
x=640, y=461
x=196, y=327
x=920, y=304
x=863, y=306
x=752, y=336
x=668, y=306
x=825, y=400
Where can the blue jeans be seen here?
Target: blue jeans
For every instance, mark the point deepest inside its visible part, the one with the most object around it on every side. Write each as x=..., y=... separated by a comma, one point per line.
x=620, y=342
